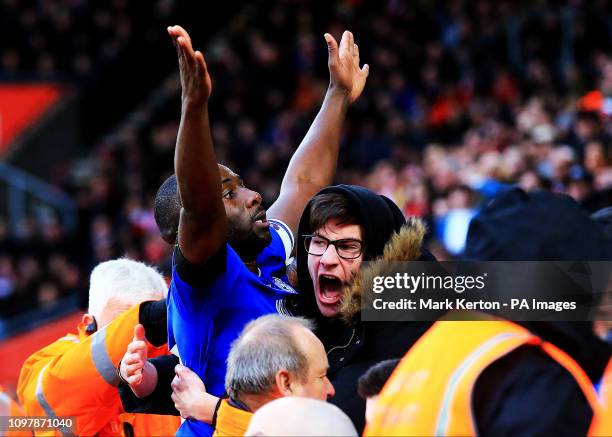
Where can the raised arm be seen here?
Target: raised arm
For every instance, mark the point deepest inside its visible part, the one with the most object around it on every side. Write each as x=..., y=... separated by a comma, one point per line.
x=313, y=164
x=203, y=223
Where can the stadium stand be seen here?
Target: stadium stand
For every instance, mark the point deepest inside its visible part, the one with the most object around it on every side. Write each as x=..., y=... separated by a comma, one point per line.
x=462, y=98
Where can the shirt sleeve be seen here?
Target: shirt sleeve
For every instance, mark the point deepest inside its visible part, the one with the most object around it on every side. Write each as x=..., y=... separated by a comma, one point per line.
x=194, y=287
x=158, y=402
x=199, y=275
x=153, y=316
x=196, y=291
x=286, y=236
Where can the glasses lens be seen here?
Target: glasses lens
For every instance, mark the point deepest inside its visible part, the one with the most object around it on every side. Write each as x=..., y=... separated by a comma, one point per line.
x=349, y=249
x=315, y=245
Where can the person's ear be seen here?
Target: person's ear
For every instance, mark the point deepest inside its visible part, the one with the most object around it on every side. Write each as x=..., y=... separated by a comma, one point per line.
x=87, y=319
x=90, y=323
x=602, y=328
x=283, y=382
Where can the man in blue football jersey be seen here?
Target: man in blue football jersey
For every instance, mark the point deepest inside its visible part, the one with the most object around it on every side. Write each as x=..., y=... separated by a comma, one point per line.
x=229, y=263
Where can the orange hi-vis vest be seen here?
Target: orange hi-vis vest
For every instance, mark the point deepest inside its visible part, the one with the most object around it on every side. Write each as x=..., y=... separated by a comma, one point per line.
x=231, y=421
x=10, y=408
x=430, y=392
x=76, y=376
x=602, y=422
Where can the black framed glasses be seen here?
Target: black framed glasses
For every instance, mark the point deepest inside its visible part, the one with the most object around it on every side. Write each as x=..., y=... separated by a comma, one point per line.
x=347, y=248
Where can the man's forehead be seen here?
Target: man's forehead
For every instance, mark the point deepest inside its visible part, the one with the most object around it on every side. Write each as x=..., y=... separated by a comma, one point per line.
x=334, y=228
x=226, y=173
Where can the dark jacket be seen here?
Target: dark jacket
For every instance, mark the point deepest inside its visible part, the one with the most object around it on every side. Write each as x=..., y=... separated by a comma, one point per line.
x=542, y=226
x=352, y=345
x=509, y=395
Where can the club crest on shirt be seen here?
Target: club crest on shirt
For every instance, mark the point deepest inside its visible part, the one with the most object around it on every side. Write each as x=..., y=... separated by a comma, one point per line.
x=279, y=283
x=281, y=308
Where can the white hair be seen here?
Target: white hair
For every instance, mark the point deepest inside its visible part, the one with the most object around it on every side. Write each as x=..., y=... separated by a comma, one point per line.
x=295, y=416
x=126, y=281
x=265, y=345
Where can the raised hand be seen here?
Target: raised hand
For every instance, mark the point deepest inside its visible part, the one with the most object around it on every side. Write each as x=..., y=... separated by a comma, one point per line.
x=313, y=165
x=343, y=63
x=195, y=80
x=135, y=358
x=203, y=222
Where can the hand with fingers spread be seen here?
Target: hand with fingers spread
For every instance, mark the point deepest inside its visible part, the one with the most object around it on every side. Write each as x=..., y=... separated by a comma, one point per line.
x=190, y=396
x=343, y=62
x=195, y=80
x=313, y=165
x=135, y=358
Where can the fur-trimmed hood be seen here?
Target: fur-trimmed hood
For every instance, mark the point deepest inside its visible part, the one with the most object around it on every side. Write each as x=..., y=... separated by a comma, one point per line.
x=405, y=245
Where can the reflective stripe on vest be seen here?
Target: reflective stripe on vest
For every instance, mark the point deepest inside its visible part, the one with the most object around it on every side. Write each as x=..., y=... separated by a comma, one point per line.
x=576, y=371
x=445, y=411
x=101, y=360
x=5, y=402
x=602, y=422
x=40, y=397
x=430, y=392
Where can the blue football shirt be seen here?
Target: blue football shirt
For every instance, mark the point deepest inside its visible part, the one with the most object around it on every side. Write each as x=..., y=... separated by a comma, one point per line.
x=206, y=316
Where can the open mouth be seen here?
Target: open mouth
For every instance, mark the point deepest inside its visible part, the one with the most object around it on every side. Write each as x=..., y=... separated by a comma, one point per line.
x=330, y=289
x=260, y=217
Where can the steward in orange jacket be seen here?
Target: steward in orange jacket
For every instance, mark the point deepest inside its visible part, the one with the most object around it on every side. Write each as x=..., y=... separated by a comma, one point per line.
x=76, y=375
x=231, y=420
x=10, y=408
x=602, y=423
x=496, y=377
x=427, y=395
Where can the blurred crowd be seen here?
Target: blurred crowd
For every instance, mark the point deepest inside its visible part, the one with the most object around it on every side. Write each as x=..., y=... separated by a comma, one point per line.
x=68, y=39
x=462, y=99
